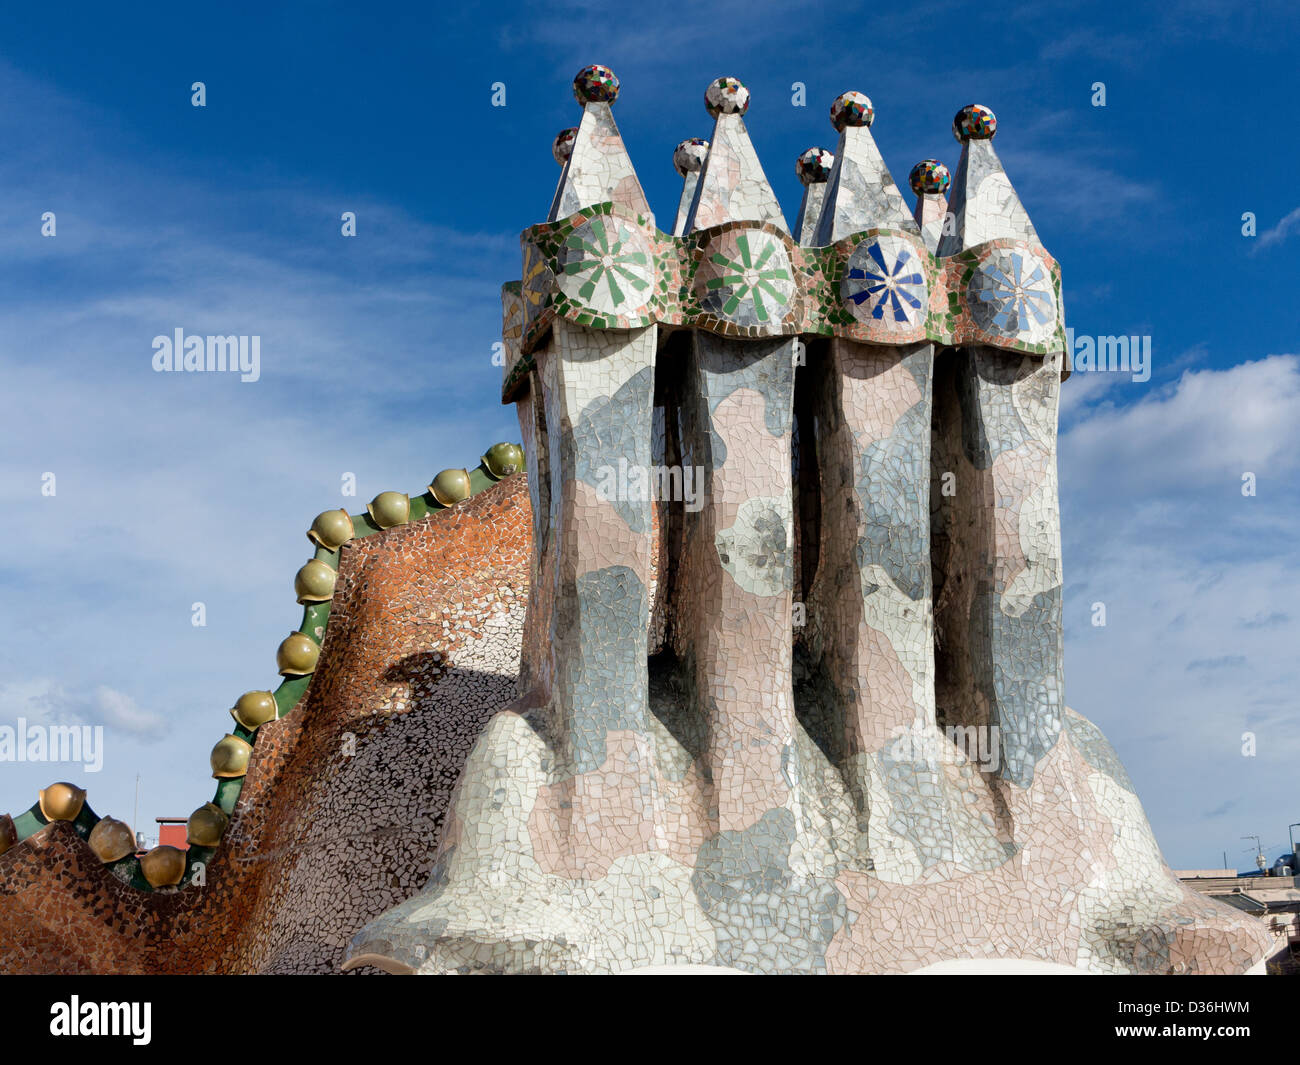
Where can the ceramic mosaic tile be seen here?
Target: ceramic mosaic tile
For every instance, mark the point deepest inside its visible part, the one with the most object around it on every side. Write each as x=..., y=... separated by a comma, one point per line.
x=726, y=676
x=732, y=184
x=814, y=169
x=930, y=181
x=813, y=813
x=860, y=192
x=985, y=207
x=688, y=160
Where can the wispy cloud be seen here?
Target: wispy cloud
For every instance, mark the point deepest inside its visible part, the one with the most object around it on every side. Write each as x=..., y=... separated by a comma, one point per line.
x=1287, y=225
x=45, y=702
x=1155, y=527
x=1266, y=621
x=1208, y=426
x=176, y=489
x=1222, y=662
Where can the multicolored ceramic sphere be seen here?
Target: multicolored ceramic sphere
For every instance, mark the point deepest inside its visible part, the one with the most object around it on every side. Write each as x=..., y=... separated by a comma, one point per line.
x=689, y=156
x=929, y=178
x=596, y=84
x=562, y=147
x=852, y=109
x=314, y=583
x=814, y=165
x=974, y=122
x=297, y=654
x=389, y=509
x=726, y=96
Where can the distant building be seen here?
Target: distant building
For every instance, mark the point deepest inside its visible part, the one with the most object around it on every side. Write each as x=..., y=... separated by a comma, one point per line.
x=1273, y=899
x=172, y=832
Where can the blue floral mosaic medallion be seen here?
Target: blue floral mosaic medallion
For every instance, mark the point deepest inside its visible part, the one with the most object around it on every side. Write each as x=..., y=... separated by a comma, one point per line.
x=1011, y=296
x=884, y=283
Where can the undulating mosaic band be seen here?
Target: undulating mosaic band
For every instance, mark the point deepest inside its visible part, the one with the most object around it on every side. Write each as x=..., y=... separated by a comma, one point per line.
x=605, y=267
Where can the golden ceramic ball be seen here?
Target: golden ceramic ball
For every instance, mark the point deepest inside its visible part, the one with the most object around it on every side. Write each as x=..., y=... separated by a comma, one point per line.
x=111, y=840
x=61, y=801
x=164, y=866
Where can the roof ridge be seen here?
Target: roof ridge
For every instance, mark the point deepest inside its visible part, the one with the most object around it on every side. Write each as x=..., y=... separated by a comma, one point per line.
x=296, y=658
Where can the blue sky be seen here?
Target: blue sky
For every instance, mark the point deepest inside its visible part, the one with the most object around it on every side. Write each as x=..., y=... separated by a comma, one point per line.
x=376, y=351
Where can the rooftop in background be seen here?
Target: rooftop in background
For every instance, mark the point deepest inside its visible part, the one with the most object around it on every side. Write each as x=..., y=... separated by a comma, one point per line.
x=172, y=832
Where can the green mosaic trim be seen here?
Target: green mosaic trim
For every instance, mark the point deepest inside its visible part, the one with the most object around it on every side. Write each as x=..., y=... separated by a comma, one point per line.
x=594, y=244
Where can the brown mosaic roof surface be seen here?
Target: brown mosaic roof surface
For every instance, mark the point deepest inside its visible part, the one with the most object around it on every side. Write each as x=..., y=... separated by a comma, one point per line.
x=340, y=812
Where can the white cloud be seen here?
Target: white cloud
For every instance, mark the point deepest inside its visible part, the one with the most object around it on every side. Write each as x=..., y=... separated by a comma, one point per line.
x=45, y=702
x=172, y=489
x=1199, y=584
x=1205, y=429
x=1288, y=224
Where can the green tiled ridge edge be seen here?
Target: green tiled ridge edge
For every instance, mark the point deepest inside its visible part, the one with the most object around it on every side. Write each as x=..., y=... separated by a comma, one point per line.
x=315, y=619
